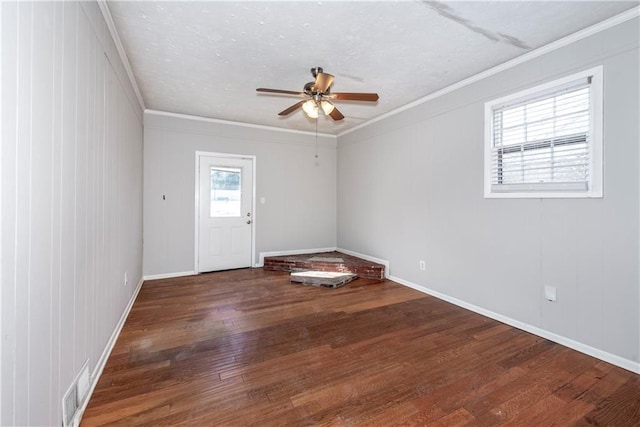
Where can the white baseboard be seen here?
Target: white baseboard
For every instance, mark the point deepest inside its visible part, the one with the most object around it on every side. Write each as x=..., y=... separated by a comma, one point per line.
x=627, y=364
x=97, y=372
x=384, y=262
x=169, y=275
x=291, y=252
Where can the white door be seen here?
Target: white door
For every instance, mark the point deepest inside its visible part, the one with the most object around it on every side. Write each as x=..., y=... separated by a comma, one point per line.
x=224, y=212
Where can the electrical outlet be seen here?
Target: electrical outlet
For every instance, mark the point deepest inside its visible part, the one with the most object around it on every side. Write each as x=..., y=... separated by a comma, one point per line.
x=423, y=265
x=550, y=293
x=126, y=279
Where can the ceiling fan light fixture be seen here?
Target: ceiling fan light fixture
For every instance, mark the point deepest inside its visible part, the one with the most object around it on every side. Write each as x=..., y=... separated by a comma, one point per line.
x=327, y=107
x=311, y=108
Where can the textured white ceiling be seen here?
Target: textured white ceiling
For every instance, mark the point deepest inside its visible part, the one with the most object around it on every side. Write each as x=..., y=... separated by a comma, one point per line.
x=207, y=58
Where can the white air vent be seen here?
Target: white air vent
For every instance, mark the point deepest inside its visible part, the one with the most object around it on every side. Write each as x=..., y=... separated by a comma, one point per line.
x=69, y=405
x=75, y=395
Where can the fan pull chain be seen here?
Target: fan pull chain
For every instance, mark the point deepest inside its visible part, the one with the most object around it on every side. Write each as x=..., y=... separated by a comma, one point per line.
x=316, y=156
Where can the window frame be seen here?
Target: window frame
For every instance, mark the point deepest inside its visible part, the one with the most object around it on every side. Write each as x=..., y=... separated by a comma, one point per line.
x=595, y=145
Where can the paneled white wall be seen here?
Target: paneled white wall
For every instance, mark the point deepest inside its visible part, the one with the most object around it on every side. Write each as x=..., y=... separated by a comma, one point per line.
x=411, y=188
x=71, y=187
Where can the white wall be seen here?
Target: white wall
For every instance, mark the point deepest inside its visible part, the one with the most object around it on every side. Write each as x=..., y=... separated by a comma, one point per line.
x=71, y=187
x=300, y=190
x=411, y=188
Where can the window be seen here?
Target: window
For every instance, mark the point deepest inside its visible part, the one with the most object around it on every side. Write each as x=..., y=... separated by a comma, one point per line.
x=226, y=192
x=546, y=141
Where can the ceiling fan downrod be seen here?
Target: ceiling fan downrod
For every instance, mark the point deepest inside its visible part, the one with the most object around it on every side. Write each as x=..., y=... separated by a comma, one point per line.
x=315, y=71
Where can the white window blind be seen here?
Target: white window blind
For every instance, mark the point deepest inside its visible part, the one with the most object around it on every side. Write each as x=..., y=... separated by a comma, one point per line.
x=546, y=141
x=542, y=143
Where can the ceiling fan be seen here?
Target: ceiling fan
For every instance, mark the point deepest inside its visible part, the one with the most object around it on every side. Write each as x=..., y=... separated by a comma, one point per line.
x=319, y=96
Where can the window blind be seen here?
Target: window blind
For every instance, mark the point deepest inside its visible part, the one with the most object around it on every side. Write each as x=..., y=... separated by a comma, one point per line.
x=542, y=143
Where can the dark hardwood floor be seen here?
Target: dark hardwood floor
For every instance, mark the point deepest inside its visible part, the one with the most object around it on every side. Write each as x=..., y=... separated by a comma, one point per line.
x=246, y=347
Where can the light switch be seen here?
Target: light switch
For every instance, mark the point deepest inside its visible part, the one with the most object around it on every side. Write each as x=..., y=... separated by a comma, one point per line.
x=263, y=200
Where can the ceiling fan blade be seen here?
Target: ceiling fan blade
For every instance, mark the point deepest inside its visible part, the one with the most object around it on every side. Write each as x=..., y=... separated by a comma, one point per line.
x=336, y=115
x=292, y=108
x=323, y=82
x=284, y=92
x=354, y=96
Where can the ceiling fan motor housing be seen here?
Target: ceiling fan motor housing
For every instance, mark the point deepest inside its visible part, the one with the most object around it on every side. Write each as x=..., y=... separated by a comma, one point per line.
x=308, y=88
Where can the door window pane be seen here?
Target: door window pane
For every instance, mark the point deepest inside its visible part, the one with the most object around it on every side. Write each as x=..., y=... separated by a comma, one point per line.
x=226, y=193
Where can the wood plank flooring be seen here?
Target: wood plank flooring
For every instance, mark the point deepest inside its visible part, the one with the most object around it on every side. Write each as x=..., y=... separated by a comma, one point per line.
x=247, y=347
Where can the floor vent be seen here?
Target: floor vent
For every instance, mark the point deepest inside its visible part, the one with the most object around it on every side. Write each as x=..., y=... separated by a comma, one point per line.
x=75, y=396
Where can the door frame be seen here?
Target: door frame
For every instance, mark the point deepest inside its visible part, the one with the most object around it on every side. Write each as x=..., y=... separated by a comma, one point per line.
x=196, y=232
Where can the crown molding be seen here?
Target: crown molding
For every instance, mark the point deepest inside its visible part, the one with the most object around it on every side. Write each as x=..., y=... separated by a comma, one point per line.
x=565, y=41
x=106, y=14
x=232, y=123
